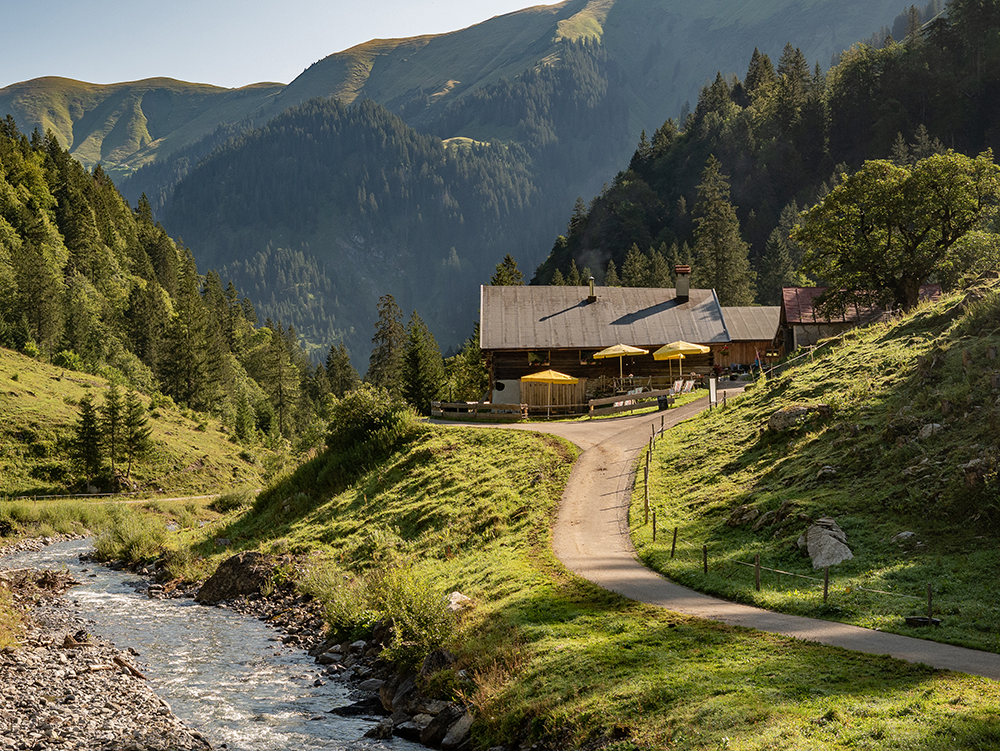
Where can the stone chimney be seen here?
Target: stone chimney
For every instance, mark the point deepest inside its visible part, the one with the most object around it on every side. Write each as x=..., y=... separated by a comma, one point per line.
x=683, y=283
x=592, y=297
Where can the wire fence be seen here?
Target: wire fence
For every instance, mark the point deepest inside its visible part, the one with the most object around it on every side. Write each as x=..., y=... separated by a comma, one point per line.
x=649, y=516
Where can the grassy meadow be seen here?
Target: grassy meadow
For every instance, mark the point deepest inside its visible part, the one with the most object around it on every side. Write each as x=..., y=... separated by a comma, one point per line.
x=920, y=505
x=38, y=412
x=388, y=528
x=552, y=657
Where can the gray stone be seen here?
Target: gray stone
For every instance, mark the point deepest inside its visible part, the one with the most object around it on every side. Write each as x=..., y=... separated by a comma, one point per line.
x=825, y=543
x=372, y=684
x=437, y=728
x=458, y=602
x=928, y=430
x=458, y=733
x=245, y=573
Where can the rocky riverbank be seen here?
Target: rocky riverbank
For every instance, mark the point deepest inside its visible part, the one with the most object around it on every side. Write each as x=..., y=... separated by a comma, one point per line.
x=395, y=700
x=66, y=689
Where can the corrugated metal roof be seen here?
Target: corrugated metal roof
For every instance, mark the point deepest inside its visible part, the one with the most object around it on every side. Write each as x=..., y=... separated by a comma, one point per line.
x=799, y=306
x=539, y=317
x=748, y=324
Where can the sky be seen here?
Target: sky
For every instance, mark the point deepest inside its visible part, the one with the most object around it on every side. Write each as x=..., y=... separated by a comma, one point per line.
x=228, y=43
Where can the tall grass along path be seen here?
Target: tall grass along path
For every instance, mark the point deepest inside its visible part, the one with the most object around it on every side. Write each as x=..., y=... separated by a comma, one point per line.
x=591, y=538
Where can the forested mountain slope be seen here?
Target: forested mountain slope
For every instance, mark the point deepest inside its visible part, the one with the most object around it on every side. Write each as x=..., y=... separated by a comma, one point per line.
x=563, y=90
x=782, y=134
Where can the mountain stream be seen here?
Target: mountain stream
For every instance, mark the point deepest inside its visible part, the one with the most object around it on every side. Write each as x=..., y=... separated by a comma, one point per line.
x=224, y=674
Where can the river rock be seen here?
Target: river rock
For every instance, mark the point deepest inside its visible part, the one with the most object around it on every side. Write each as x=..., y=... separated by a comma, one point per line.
x=826, y=543
x=246, y=573
x=438, y=727
x=458, y=733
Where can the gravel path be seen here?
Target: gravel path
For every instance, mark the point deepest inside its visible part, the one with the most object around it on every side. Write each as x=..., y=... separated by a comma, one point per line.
x=591, y=538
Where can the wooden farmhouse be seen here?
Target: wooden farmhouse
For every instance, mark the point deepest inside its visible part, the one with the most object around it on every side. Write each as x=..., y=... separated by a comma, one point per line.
x=753, y=335
x=802, y=325
x=527, y=329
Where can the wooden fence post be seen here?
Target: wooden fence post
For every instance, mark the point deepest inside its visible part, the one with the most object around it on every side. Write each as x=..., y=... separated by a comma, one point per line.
x=704, y=558
x=654, y=526
x=826, y=582
x=930, y=608
x=673, y=545
x=756, y=570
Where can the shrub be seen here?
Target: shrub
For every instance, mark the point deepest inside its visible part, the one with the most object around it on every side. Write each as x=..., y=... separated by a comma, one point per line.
x=231, y=502
x=130, y=536
x=352, y=605
x=367, y=415
x=68, y=359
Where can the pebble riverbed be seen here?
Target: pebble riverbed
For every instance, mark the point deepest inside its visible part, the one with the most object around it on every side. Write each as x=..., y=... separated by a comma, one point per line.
x=69, y=686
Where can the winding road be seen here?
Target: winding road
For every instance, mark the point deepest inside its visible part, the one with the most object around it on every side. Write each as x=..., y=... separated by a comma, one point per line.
x=591, y=538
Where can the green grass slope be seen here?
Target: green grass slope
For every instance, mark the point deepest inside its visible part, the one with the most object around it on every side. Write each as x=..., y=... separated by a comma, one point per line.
x=552, y=657
x=38, y=412
x=125, y=125
x=912, y=446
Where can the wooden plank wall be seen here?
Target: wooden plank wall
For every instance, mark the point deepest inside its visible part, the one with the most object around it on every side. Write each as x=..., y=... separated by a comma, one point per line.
x=563, y=394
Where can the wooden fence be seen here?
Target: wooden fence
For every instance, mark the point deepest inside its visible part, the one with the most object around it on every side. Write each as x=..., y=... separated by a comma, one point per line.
x=612, y=405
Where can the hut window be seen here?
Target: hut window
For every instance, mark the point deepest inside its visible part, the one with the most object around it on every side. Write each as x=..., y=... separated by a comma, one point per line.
x=538, y=357
x=587, y=356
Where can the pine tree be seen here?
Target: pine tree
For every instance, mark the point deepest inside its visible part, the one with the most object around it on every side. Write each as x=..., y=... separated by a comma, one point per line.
x=86, y=444
x=611, y=276
x=339, y=372
x=136, y=441
x=635, y=269
x=282, y=382
x=423, y=368
x=385, y=363
x=557, y=280
x=721, y=257
x=112, y=424
x=507, y=274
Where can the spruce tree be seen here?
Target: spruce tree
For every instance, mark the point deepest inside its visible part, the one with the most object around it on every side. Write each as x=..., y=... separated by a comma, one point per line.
x=385, y=363
x=423, y=368
x=136, y=442
x=112, y=424
x=507, y=274
x=86, y=445
x=721, y=257
x=635, y=269
x=340, y=374
x=611, y=276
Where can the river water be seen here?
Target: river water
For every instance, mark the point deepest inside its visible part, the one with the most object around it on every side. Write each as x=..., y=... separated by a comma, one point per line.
x=224, y=674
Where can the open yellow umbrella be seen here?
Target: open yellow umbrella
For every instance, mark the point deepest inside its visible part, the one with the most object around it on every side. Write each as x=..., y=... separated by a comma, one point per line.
x=670, y=351
x=549, y=377
x=670, y=371
x=619, y=351
x=679, y=350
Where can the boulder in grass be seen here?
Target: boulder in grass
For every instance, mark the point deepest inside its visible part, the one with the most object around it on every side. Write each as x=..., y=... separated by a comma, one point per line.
x=826, y=543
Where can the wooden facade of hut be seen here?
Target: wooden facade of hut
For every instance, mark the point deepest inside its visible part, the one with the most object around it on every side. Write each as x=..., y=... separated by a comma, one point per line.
x=754, y=332
x=526, y=329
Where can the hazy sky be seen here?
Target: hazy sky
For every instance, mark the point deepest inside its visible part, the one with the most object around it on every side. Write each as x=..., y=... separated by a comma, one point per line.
x=224, y=42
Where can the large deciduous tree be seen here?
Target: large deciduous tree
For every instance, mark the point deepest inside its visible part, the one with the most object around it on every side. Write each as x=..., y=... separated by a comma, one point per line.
x=887, y=229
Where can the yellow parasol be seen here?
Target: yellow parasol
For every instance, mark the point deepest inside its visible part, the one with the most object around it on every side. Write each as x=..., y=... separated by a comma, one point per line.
x=619, y=351
x=670, y=351
x=670, y=371
x=549, y=377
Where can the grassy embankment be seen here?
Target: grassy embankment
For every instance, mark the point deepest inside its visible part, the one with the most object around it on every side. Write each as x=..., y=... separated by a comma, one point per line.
x=38, y=412
x=867, y=466
x=470, y=509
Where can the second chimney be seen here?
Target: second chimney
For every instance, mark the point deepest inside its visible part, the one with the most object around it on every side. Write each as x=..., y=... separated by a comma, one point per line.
x=592, y=297
x=683, y=283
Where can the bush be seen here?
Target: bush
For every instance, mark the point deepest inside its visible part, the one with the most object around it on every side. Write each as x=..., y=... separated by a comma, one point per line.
x=231, y=502
x=131, y=536
x=352, y=605
x=68, y=359
x=367, y=415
